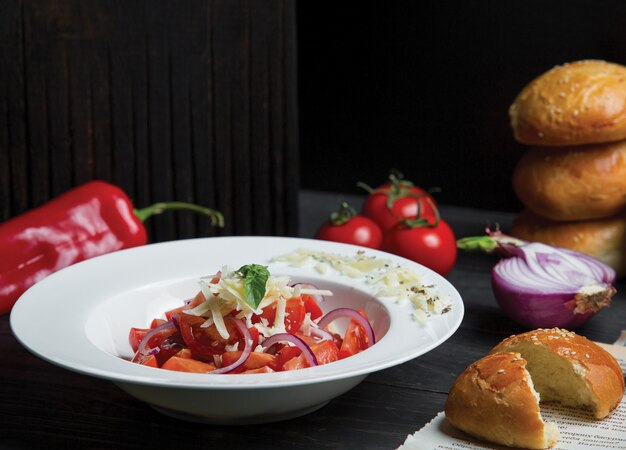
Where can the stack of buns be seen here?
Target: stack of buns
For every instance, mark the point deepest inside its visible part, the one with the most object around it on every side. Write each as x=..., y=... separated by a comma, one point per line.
x=497, y=398
x=572, y=180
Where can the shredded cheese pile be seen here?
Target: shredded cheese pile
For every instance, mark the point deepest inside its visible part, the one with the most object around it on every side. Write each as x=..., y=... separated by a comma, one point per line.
x=227, y=294
x=388, y=279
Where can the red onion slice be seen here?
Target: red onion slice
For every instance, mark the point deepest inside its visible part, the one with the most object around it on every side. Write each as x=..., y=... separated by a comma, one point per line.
x=318, y=298
x=351, y=314
x=295, y=340
x=143, y=345
x=322, y=334
x=247, y=338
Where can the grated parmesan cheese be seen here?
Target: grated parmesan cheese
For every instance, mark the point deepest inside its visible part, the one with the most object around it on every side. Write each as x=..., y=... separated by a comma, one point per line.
x=226, y=294
x=388, y=279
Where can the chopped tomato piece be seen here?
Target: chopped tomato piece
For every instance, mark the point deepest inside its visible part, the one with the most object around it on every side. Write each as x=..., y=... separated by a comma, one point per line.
x=296, y=363
x=187, y=365
x=285, y=354
x=309, y=340
x=169, y=342
x=199, y=298
x=254, y=333
x=264, y=369
x=135, y=336
x=149, y=360
x=205, y=342
x=256, y=360
x=294, y=314
x=184, y=353
x=312, y=307
x=325, y=352
x=355, y=339
x=157, y=322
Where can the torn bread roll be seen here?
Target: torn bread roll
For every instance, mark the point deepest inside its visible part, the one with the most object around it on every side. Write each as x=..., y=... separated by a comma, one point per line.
x=494, y=400
x=604, y=239
x=497, y=398
x=573, y=183
x=569, y=369
x=577, y=103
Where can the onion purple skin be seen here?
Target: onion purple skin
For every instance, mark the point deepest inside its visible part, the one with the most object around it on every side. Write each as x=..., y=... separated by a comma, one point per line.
x=538, y=310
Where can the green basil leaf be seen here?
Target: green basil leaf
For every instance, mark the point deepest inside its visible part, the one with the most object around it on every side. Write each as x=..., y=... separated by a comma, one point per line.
x=255, y=278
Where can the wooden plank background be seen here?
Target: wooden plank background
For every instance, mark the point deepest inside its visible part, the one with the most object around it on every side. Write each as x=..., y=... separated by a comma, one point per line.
x=193, y=101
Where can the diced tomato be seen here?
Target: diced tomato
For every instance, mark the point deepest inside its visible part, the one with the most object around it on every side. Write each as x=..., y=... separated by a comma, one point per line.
x=187, y=365
x=294, y=314
x=149, y=360
x=254, y=333
x=296, y=363
x=256, y=360
x=311, y=306
x=264, y=369
x=285, y=354
x=308, y=340
x=205, y=342
x=157, y=322
x=169, y=342
x=184, y=353
x=325, y=352
x=199, y=298
x=135, y=336
x=354, y=340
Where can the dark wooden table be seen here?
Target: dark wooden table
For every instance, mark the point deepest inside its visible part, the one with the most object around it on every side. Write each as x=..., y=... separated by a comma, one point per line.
x=42, y=405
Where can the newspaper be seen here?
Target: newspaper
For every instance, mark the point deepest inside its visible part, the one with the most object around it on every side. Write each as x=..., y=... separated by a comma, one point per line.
x=578, y=430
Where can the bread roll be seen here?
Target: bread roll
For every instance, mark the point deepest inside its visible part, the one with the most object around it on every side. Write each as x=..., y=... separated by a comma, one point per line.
x=494, y=399
x=569, y=369
x=604, y=239
x=573, y=183
x=497, y=398
x=578, y=103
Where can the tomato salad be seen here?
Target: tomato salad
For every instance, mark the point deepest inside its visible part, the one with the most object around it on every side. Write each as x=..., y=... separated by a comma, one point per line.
x=246, y=321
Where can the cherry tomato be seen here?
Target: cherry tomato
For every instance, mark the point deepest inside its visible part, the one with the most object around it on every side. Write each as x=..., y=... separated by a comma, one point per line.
x=348, y=227
x=396, y=200
x=433, y=247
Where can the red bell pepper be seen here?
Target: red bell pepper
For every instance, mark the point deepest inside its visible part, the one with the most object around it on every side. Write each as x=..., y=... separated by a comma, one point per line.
x=90, y=220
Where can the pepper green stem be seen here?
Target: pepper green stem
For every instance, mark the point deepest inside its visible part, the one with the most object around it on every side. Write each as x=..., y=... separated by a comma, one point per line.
x=487, y=243
x=217, y=219
x=477, y=243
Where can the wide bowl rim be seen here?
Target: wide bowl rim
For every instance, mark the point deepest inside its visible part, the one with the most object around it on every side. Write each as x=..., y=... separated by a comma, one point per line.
x=112, y=368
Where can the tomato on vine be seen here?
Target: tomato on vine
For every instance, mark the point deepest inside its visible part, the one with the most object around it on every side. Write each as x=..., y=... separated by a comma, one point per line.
x=396, y=200
x=350, y=228
x=427, y=241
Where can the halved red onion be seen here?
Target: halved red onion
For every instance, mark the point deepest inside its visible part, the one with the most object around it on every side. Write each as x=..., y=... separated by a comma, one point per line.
x=247, y=339
x=143, y=345
x=350, y=314
x=295, y=340
x=318, y=298
x=540, y=286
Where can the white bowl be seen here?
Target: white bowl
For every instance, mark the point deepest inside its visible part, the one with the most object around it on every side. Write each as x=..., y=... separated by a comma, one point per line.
x=83, y=315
